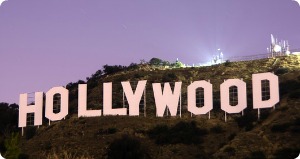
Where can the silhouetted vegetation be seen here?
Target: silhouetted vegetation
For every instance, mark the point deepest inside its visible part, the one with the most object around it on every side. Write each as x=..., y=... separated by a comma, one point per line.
x=169, y=77
x=113, y=69
x=289, y=153
x=30, y=132
x=280, y=127
x=295, y=95
x=127, y=147
x=12, y=147
x=246, y=121
x=230, y=151
x=8, y=123
x=182, y=132
x=231, y=136
x=216, y=129
x=227, y=63
x=281, y=71
x=257, y=155
x=288, y=86
x=8, y=117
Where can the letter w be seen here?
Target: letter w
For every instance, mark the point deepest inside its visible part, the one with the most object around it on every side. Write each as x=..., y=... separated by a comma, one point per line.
x=167, y=98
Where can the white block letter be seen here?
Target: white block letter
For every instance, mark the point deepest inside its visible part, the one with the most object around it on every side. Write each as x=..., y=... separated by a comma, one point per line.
x=208, y=100
x=134, y=98
x=107, y=102
x=82, y=100
x=64, y=101
x=167, y=98
x=257, y=94
x=242, y=96
x=36, y=108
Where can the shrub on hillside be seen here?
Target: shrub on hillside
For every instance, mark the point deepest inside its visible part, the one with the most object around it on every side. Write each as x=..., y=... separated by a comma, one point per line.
x=227, y=63
x=127, y=147
x=169, y=77
x=12, y=147
x=257, y=155
x=280, y=127
x=288, y=86
x=182, y=132
x=230, y=151
x=216, y=129
x=281, y=71
x=30, y=132
x=231, y=136
x=246, y=121
x=295, y=95
x=287, y=153
x=107, y=69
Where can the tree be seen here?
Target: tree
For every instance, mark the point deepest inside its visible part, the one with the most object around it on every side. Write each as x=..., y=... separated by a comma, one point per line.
x=155, y=61
x=113, y=69
x=12, y=148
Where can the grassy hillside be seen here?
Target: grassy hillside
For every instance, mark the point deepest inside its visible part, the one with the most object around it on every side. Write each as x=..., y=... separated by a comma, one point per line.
x=275, y=135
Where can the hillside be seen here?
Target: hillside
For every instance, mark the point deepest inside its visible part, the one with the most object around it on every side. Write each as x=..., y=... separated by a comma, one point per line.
x=275, y=135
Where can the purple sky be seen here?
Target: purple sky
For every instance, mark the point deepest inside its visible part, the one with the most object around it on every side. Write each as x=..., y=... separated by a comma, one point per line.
x=48, y=43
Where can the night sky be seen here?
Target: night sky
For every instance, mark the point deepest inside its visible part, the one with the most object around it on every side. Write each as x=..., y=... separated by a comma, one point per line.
x=48, y=43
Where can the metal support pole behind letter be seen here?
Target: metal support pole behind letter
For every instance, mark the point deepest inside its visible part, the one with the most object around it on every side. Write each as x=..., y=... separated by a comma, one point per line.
x=145, y=102
x=180, y=104
x=123, y=100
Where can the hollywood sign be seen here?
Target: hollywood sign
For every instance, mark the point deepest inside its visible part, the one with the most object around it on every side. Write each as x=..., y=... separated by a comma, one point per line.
x=164, y=99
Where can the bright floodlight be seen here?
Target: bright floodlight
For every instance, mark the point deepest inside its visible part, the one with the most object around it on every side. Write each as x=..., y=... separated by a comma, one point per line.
x=277, y=48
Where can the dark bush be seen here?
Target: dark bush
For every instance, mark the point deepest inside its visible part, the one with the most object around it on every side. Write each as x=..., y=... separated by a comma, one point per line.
x=216, y=129
x=295, y=95
x=246, y=121
x=113, y=69
x=231, y=136
x=133, y=66
x=216, y=103
x=280, y=127
x=23, y=156
x=257, y=155
x=8, y=117
x=289, y=153
x=230, y=151
x=295, y=129
x=264, y=114
x=127, y=147
x=281, y=71
x=12, y=146
x=137, y=75
x=111, y=130
x=30, y=132
x=169, y=77
x=182, y=132
x=2, y=146
x=297, y=121
x=46, y=145
x=227, y=63
x=288, y=86
x=155, y=61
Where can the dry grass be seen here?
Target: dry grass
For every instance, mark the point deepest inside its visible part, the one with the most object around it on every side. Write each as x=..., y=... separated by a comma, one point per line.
x=65, y=155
